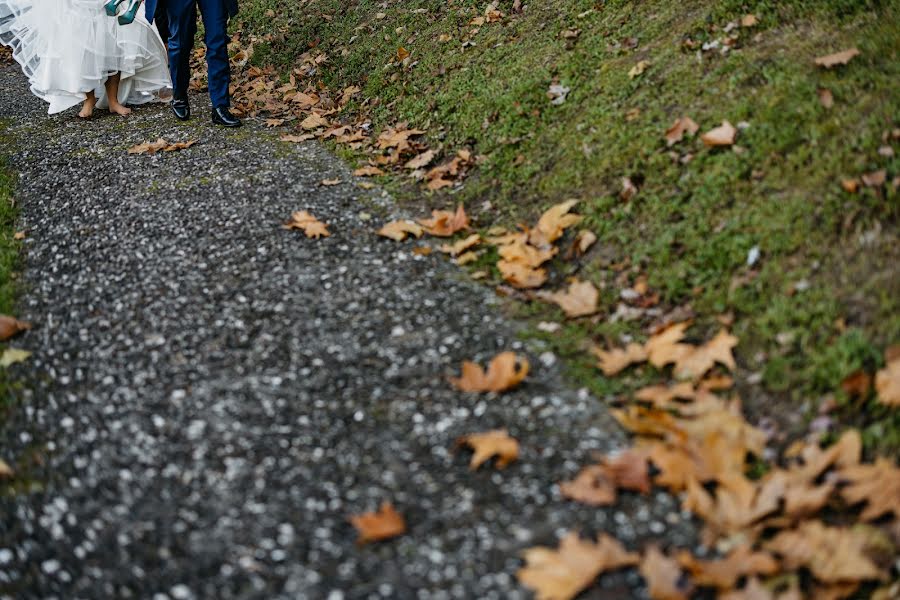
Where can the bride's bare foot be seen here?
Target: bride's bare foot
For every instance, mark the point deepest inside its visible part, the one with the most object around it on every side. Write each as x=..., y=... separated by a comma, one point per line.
x=87, y=109
x=119, y=109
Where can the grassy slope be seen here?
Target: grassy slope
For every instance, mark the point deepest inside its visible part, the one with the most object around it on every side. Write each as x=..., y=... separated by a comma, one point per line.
x=9, y=262
x=691, y=226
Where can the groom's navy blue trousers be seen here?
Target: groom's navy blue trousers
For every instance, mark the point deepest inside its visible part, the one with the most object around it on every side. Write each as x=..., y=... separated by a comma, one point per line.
x=182, y=28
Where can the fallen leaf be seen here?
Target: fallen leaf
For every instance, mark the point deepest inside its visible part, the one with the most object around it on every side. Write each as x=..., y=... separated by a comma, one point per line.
x=558, y=94
x=420, y=161
x=615, y=361
x=6, y=472
x=838, y=58
x=850, y=185
x=160, y=145
x=10, y=326
x=832, y=554
x=553, y=223
x=875, y=178
x=12, y=356
x=444, y=223
x=521, y=275
x=330, y=182
x=583, y=241
x=368, y=171
x=19, y=235
x=314, y=121
x=663, y=576
x=402, y=53
x=665, y=347
x=826, y=98
x=579, y=300
x=681, y=126
x=490, y=444
x=462, y=245
x=306, y=222
x=598, y=485
x=887, y=380
x=296, y=139
x=749, y=21
x=695, y=363
x=724, y=573
x=377, y=526
x=400, y=230
x=274, y=122
x=638, y=69
x=857, y=384
x=723, y=135
x=878, y=485
x=506, y=371
x=562, y=574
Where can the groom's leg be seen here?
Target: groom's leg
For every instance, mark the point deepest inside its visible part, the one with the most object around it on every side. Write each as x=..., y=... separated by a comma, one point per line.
x=215, y=22
x=182, y=28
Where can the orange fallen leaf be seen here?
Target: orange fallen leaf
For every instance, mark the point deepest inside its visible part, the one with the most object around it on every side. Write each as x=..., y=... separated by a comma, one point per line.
x=663, y=576
x=296, y=139
x=579, y=300
x=506, y=371
x=490, y=444
x=377, y=526
x=462, y=245
x=749, y=20
x=10, y=326
x=160, y=145
x=857, y=384
x=520, y=275
x=330, y=182
x=833, y=554
x=838, y=58
x=874, y=179
x=665, y=347
x=444, y=223
x=887, y=380
x=400, y=230
x=826, y=98
x=583, y=241
x=306, y=222
x=553, y=223
x=615, y=361
x=878, y=485
x=19, y=235
x=724, y=573
x=313, y=121
x=723, y=135
x=561, y=574
x=695, y=363
x=402, y=53
x=682, y=125
x=368, y=171
x=598, y=485
x=420, y=161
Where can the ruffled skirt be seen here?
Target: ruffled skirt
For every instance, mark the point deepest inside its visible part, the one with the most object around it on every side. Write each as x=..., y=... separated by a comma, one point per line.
x=67, y=48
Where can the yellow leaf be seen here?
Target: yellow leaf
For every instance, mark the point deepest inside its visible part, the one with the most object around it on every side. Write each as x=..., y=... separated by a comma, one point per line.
x=399, y=230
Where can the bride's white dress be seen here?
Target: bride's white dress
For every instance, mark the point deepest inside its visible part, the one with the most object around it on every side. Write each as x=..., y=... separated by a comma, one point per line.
x=70, y=47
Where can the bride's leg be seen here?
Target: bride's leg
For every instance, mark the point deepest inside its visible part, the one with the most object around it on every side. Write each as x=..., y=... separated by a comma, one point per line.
x=87, y=109
x=112, y=95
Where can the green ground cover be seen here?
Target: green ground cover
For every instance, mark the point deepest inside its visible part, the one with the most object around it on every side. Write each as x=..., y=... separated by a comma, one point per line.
x=823, y=299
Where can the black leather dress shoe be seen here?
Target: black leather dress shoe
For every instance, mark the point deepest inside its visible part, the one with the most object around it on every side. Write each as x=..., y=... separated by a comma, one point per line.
x=222, y=116
x=182, y=109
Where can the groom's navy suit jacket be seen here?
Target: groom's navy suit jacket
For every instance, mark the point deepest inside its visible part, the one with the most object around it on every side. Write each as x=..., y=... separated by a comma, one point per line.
x=150, y=6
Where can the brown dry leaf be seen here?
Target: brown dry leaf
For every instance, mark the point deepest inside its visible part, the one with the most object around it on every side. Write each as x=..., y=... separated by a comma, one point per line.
x=462, y=245
x=490, y=444
x=583, y=241
x=368, y=171
x=10, y=326
x=838, y=58
x=597, y=485
x=695, y=363
x=723, y=135
x=878, y=485
x=314, y=121
x=506, y=371
x=665, y=347
x=376, y=526
x=444, y=223
x=274, y=122
x=887, y=380
x=553, y=223
x=875, y=178
x=6, y=471
x=663, y=575
x=330, y=182
x=851, y=186
x=296, y=139
x=682, y=125
x=826, y=98
x=579, y=300
x=519, y=251
x=562, y=574
x=833, y=554
x=661, y=396
x=19, y=235
x=160, y=145
x=397, y=137
x=521, y=276
x=466, y=258
x=857, y=384
x=617, y=360
x=306, y=222
x=420, y=161
x=402, y=54
x=749, y=21
x=724, y=573
x=400, y=230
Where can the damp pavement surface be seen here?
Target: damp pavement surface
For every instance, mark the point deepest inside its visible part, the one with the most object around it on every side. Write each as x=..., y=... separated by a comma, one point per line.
x=211, y=395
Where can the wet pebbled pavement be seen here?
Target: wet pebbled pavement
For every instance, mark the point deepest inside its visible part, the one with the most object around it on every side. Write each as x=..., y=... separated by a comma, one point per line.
x=211, y=395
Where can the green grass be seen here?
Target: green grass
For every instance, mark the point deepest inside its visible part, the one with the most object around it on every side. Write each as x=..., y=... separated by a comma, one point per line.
x=692, y=224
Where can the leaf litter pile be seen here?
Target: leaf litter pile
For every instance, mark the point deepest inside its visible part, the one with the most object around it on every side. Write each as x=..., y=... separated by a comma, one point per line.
x=819, y=522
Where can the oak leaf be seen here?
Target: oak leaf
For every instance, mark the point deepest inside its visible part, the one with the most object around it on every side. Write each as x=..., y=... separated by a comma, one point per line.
x=462, y=245
x=617, y=360
x=887, y=380
x=444, y=223
x=579, y=300
x=563, y=573
x=597, y=485
x=695, y=363
x=420, y=161
x=310, y=225
x=296, y=139
x=368, y=171
x=521, y=275
x=832, y=554
x=553, y=223
x=400, y=230
x=490, y=444
x=160, y=145
x=377, y=526
x=682, y=125
x=878, y=485
x=665, y=347
x=314, y=121
x=724, y=573
x=505, y=371
x=723, y=135
x=664, y=576
x=838, y=58
x=10, y=326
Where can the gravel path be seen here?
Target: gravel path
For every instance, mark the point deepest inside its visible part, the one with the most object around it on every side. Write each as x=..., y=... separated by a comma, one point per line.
x=213, y=395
